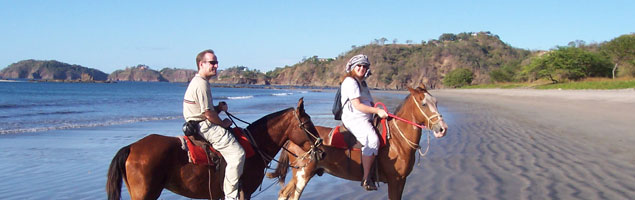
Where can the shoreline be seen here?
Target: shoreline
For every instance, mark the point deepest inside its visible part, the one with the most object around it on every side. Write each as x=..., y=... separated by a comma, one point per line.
x=501, y=144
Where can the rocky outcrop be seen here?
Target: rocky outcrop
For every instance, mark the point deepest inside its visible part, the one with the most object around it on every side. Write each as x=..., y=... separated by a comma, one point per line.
x=141, y=73
x=51, y=70
x=177, y=75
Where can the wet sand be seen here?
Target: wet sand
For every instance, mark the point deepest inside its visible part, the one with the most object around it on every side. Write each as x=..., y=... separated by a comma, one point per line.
x=523, y=144
x=502, y=144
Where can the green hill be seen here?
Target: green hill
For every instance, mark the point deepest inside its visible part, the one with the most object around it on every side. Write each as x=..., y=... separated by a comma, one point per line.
x=395, y=66
x=51, y=70
x=138, y=73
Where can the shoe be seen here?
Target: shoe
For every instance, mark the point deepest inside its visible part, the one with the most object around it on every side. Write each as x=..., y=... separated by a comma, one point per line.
x=369, y=185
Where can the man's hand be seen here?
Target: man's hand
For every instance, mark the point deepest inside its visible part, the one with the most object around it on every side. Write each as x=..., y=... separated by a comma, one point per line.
x=222, y=106
x=226, y=123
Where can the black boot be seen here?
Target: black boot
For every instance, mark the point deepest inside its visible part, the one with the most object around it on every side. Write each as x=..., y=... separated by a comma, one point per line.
x=369, y=185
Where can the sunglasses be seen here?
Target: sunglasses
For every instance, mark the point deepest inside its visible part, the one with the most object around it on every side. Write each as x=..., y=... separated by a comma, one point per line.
x=213, y=62
x=364, y=66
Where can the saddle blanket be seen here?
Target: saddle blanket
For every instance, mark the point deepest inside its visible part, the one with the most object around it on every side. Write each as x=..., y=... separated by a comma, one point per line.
x=345, y=139
x=197, y=155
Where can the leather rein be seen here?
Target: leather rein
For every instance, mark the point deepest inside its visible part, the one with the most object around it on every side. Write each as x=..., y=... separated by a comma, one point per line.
x=428, y=119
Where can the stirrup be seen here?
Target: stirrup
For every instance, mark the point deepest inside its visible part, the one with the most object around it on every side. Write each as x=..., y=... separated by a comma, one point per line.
x=369, y=185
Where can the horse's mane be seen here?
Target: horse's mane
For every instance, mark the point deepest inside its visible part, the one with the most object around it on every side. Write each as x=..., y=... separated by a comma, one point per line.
x=401, y=104
x=269, y=116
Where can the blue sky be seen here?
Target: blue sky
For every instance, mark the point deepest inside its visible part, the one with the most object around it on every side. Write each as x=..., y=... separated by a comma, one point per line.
x=110, y=35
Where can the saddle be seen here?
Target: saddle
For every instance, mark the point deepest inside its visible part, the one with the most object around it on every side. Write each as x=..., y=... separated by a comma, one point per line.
x=342, y=138
x=201, y=152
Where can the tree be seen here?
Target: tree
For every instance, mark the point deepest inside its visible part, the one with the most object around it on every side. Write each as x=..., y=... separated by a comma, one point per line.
x=621, y=50
x=568, y=63
x=448, y=37
x=382, y=40
x=458, y=78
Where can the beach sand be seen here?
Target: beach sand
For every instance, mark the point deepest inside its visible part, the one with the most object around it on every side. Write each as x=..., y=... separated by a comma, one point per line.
x=501, y=144
x=523, y=144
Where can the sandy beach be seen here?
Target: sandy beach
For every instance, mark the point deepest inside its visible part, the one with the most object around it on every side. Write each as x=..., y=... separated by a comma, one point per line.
x=524, y=144
x=501, y=144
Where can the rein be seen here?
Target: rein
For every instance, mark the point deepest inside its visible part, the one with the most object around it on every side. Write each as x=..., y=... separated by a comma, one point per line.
x=265, y=157
x=428, y=118
x=399, y=118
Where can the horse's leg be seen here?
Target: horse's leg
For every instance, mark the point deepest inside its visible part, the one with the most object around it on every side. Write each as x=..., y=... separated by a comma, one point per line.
x=143, y=183
x=147, y=165
x=395, y=187
x=302, y=177
x=287, y=190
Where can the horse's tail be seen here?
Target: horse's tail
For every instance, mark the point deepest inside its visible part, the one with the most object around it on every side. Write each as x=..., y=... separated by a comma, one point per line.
x=116, y=173
x=283, y=167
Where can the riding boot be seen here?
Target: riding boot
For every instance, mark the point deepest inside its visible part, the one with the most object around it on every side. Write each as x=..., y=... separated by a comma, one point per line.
x=369, y=185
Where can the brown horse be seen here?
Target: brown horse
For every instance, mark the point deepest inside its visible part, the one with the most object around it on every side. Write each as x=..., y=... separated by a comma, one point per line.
x=156, y=162
x=395, y=160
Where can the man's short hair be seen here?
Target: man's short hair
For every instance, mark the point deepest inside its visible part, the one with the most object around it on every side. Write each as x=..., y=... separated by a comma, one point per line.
x=200, y=56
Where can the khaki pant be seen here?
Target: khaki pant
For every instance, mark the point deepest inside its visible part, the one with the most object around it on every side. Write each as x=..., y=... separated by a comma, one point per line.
x=225, y=143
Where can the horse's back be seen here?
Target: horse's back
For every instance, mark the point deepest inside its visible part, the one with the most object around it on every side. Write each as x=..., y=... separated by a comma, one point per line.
x=323, y=131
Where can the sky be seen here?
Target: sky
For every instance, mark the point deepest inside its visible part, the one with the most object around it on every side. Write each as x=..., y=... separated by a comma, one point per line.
x=263, y=35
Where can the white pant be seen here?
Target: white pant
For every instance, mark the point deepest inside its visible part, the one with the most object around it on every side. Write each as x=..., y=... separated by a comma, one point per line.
x=364, y=131
x=225, y=143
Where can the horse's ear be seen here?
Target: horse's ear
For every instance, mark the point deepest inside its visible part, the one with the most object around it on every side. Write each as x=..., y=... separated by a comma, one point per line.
x=422, y=87
x=412, y=91
x=300, y=107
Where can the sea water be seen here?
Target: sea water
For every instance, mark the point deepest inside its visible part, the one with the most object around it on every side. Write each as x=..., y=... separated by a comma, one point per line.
x=57, y=139
x=45, y=106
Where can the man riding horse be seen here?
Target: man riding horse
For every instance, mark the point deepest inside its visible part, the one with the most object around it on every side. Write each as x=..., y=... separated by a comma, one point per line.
x=198, y=109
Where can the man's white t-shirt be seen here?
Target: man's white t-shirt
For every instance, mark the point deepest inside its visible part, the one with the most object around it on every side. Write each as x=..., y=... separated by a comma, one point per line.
x=197, y=99
x=351, y=90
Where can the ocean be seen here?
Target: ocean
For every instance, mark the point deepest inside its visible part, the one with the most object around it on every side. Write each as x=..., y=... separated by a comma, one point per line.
x=57, y=139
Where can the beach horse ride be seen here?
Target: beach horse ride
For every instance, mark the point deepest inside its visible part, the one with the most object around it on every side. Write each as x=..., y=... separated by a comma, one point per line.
x=395, y=158
x=156, y=162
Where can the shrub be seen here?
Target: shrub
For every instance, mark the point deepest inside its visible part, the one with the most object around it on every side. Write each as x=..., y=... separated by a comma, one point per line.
x=458, y=78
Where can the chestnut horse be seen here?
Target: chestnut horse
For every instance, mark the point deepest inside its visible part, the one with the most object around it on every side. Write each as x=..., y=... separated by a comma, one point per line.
x=156, y=162
x=395, y=160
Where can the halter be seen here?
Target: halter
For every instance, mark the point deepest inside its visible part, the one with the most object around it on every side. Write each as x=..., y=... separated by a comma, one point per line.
x=314, y=147
x=428, y=118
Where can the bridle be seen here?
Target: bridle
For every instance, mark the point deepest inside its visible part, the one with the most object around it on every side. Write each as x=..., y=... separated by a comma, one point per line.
x=430, y=124
x=428, y=118
x=315, y=152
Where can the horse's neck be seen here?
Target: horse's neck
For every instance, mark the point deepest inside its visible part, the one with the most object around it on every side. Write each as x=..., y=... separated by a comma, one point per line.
x=410, y=132
x=268, y=142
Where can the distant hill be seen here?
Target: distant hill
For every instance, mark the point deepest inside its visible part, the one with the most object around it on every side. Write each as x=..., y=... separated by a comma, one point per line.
x=141, y=73
x=51, y=70
x=177, y=75
x=240, y=75
x=395, y=66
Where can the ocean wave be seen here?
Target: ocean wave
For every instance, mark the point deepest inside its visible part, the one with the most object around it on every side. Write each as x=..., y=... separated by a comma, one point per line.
x=45, y=113
x=71, y=125
x=12, y=106
x=241, y=97
x=282, y=94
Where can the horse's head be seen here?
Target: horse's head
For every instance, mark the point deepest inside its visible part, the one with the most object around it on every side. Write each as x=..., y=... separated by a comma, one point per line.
x=301, y=130
x=427, y=111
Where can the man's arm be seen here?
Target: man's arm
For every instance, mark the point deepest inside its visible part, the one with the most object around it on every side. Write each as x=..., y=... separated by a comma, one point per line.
x=213, y=117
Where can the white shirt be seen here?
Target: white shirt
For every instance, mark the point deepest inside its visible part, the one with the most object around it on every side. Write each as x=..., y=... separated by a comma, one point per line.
x=197, y=99
x=351, y=90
